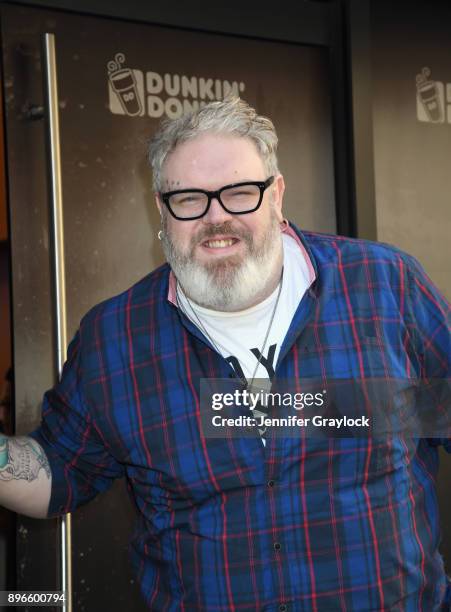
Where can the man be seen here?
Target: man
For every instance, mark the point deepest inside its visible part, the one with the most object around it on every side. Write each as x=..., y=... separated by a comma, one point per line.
x=257, y=522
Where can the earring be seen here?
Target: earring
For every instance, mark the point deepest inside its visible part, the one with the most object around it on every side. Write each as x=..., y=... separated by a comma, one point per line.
x=284, y=225
x=160, y=234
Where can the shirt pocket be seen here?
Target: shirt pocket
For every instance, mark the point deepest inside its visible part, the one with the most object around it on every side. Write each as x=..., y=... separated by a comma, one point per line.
x=343, y=357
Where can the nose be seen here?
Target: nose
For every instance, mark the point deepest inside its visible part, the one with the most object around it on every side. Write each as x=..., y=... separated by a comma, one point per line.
x=216, y=213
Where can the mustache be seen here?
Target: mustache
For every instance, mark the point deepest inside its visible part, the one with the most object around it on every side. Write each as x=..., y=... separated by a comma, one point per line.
x=212, y=230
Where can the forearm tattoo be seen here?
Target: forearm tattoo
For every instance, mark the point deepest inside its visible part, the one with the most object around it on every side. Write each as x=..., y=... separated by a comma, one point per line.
x=21, y=458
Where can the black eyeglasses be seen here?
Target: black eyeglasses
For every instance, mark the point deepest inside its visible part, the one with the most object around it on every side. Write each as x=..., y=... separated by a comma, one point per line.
x=236, y=199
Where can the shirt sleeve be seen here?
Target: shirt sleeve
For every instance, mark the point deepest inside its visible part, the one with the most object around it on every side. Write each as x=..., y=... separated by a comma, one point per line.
x=431, y=313
x=80, y=461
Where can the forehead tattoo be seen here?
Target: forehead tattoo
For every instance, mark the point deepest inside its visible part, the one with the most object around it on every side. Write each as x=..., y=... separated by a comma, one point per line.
x=170, y=185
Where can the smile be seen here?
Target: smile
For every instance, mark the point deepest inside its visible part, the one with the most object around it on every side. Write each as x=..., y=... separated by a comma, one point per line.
x=220, y=243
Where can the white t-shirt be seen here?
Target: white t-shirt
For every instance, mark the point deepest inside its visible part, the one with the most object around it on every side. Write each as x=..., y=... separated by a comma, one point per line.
x=239, y=336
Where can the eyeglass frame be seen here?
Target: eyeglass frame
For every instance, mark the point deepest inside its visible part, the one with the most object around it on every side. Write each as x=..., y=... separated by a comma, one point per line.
x=262, y=185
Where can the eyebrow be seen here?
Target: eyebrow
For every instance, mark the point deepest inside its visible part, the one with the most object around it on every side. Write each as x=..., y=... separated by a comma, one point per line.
x=241, y=182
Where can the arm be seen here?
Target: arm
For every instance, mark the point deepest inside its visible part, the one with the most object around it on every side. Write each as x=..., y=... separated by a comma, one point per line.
x=80, y=458
x=431, y=313
x=25, y=477
x=66, y=461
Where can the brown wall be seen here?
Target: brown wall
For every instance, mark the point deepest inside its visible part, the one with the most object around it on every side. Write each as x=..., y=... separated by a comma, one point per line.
x=411, y=154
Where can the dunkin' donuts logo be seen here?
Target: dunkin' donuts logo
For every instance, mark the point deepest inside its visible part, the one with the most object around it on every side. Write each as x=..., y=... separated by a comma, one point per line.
x=433, y=99
x=136, y=93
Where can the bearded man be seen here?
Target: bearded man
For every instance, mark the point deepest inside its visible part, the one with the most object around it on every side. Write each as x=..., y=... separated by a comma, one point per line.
x=256, y=522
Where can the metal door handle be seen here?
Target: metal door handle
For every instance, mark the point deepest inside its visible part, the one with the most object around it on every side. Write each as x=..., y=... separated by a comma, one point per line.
x=59, y=276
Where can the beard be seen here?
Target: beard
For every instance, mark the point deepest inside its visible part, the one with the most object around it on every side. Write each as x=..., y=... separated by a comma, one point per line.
x=234, y=282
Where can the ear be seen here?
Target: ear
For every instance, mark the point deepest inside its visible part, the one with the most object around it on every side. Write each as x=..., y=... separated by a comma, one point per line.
x=278, y=189
x=159, y=204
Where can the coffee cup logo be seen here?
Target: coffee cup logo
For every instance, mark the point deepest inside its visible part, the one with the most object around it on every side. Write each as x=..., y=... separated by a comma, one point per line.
x=123, y=83
x=429, y=95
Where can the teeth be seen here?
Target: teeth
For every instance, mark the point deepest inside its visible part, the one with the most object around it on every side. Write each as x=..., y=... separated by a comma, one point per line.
x=219, y=244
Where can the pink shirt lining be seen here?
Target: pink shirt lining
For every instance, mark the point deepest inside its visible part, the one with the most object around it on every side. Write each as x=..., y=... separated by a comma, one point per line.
x=290, y=231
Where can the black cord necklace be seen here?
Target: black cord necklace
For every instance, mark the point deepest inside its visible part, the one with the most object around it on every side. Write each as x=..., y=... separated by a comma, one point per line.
x=197, y=321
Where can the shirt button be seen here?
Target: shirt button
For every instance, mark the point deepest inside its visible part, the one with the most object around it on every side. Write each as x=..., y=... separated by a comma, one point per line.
x=283, y=608
x=277, y=546
x=271, y=483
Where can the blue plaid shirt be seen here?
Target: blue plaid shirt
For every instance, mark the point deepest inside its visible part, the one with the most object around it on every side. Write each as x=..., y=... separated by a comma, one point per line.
x=302, y=524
